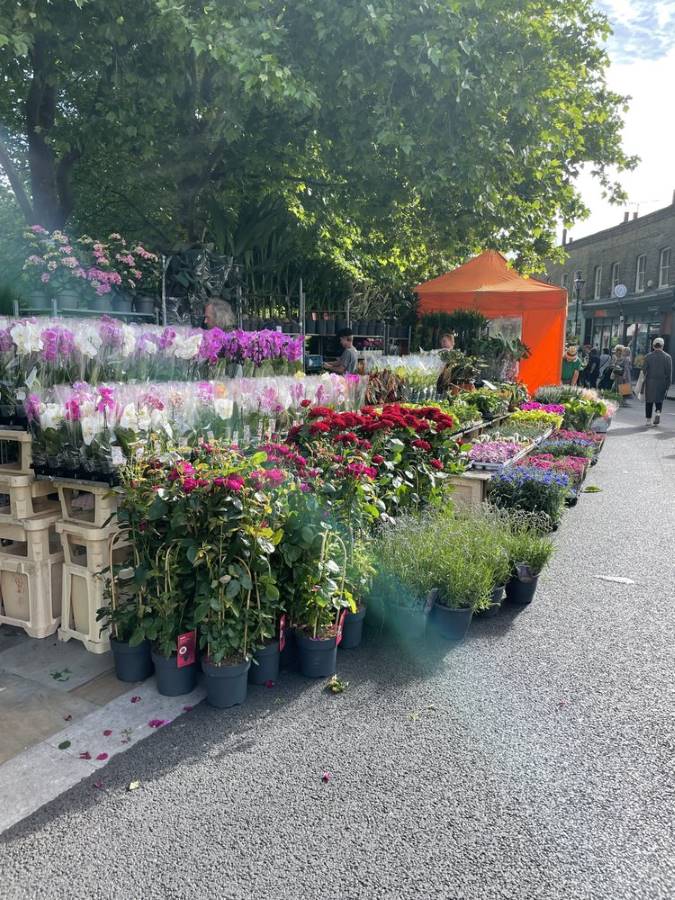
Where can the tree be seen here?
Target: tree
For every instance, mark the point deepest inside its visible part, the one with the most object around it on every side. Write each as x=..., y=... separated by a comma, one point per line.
x=398, y=137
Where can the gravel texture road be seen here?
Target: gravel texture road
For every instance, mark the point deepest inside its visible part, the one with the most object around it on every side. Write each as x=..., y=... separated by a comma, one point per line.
x=534, y=761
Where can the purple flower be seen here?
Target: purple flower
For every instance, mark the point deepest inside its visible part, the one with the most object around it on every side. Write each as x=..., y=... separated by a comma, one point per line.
x=106, y=399
x=166, y=339
x=6, y=342
x=32, y=406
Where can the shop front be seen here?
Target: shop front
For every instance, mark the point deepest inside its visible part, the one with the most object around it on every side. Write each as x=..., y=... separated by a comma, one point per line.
x=633, y=322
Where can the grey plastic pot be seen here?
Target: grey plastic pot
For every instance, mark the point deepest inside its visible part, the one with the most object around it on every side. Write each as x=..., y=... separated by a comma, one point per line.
x=452, y=624
x=521, y=591
x=318, y=657
x=100, y=304
x=289, y=658
x=121, y=302
x=265, y=664
x=145, y=305
x=131, y=663
x=226, y=685
x=408, y=623
x=172, y=681
x=352, y=629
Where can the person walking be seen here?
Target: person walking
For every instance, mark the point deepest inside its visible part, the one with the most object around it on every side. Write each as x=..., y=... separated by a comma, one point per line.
x=605, y=370
x=592, y=371
x=658, y=375
x=571, y=365
x=622, y=372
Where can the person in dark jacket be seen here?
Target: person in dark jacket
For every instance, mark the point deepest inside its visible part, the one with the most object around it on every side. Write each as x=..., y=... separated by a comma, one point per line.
x=658, y=372
x=590, y=374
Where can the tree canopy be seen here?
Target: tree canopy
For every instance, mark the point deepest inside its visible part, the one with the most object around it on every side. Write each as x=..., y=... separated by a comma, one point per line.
x=386, y=139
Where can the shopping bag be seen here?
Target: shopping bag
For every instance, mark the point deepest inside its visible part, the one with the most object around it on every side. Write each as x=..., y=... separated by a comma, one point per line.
x=625, y=389
x=639, y=388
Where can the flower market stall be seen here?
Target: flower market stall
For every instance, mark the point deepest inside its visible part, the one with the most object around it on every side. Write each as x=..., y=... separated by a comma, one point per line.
x=195, y=502
x=490, y=286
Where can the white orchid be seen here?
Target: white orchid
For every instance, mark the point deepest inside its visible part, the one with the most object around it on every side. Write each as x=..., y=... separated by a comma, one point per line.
x=88, y=340
x=224, y=407
x=128, y=340
x=27, y=337
x=187, y=347
x=129, y=417
x=51, y=415
x=92, y=426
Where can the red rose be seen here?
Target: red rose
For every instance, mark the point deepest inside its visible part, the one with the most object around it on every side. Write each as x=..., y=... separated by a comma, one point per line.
x=378, y=459
x=436, y=463
x=305, y=403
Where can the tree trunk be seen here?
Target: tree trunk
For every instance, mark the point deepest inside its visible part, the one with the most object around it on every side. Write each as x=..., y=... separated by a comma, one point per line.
x=50, y=178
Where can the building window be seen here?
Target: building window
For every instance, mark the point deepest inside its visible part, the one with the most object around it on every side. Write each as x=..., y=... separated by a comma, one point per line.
x=597, y=282
x=563, y=281
x=664, y=267
x=640, y=273
x=615, y=277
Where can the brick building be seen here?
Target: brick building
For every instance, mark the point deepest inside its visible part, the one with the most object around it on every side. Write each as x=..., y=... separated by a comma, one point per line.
x=638, y=254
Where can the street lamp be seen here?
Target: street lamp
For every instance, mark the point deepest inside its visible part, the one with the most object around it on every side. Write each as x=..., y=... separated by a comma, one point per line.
x=578, y=285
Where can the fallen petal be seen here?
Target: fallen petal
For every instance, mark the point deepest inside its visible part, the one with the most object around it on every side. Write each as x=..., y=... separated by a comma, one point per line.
x=85, y=755
x=107, y=732
x=135, y=699
x=157, y=723
x=98, y=785
x=102, y=756
x=187, y=708
x=133, y=785
x=326, y=777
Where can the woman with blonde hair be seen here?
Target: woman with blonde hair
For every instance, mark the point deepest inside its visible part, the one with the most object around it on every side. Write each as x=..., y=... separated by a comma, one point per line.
x=622, y=371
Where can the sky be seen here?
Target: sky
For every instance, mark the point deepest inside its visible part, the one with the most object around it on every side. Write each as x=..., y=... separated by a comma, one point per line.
x=642, y=54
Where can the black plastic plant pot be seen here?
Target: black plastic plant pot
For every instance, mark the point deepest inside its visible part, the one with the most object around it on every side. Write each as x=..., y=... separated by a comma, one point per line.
x=318, y=657
x=131, y=663
x=265, y=665
x=520, y=591
x=226, y=685
x=172, y=681
x=352, y=629
x=407, y=623
x=489, y=612
x=452, y=624
x=289, y=659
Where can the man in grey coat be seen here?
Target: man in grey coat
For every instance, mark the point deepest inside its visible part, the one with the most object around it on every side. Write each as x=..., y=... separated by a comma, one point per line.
x=658, y=372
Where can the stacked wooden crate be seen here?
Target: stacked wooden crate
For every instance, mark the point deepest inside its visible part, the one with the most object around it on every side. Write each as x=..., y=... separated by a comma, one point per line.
x=90, y=540
x=31, y=559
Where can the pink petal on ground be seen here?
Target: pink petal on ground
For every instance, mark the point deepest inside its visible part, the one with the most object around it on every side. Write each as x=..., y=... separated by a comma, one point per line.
x=157, y=723
x=102, y=756
x=326, y=777
x=85, y=755
x=107, y=732
x=135, y=699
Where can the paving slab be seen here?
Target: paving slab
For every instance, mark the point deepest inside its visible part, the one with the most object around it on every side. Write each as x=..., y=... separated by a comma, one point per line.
x=31, y=712
x=53, y=663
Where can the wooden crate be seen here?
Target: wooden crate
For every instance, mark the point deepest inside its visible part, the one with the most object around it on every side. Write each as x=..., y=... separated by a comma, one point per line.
x=470, y=488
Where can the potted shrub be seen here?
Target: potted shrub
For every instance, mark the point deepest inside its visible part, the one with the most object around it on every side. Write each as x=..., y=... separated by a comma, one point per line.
x=124, y=616
x=530, y=489
x=529, y=551
x=463, y=584
x=360, y=572
x=170, y=598
x=399, y=586
x=322, y=603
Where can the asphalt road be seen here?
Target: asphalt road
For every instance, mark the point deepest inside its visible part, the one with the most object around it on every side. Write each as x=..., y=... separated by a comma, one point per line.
x=534, y=761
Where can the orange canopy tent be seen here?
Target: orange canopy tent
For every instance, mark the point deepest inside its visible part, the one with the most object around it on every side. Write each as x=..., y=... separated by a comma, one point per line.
x=488, y=285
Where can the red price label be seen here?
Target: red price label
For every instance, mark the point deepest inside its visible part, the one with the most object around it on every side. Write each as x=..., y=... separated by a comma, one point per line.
x=341, y=622
x=187, y=649
x=282, y=633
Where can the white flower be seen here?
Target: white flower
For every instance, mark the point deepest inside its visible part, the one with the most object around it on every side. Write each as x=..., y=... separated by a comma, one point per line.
x=92, y=426
x=223, y=407
x=128, y=340
x=187, y=347
x=27, y=337
x=51, y=415
x=157, y=419
x=129, y=418
x=144, y=420
x=88, y=341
